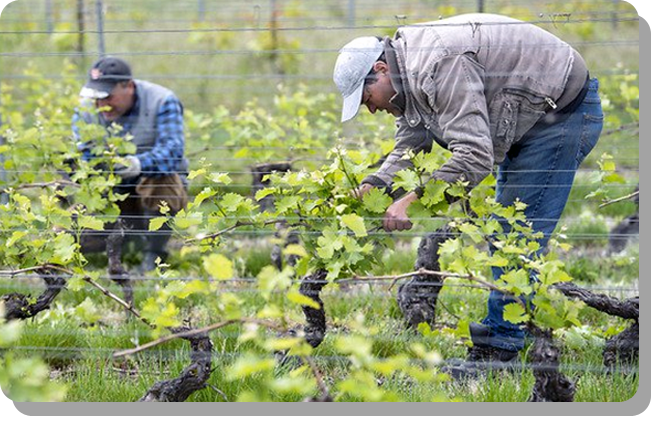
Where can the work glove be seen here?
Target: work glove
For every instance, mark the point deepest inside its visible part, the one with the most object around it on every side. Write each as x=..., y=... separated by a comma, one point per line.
x=131, y=169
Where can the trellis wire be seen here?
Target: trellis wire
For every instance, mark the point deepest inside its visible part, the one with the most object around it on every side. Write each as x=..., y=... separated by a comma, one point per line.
x=76, y=353
x=271, y=232
x=314, y=7
x=301, y=28
x=300, y=51
x=251, y=281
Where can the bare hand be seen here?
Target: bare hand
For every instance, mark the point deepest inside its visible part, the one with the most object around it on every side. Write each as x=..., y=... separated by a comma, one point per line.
x=396, y=218
x=361, y=190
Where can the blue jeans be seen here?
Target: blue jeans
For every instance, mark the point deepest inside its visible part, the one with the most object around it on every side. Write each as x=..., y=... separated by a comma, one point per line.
x=539, y=170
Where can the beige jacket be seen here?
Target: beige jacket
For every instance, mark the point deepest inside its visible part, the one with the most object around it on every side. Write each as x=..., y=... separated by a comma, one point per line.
x=476, y=84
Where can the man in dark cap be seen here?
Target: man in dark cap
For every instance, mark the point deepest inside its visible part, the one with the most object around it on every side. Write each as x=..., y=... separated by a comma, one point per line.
x=153, y=116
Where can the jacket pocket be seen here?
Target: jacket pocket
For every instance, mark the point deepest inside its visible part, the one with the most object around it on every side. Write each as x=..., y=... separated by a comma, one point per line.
x=512, y=112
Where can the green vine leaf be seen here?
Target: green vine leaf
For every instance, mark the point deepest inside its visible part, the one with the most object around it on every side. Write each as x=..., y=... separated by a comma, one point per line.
x=376, y=201
x=515, y=313
x=407, y=180
x=300, y=299
x=90, y=222
x=355, y=223
x=218, y=266
x=156, y=223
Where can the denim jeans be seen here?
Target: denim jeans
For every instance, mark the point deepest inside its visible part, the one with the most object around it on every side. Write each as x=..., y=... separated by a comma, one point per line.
x=539, y=170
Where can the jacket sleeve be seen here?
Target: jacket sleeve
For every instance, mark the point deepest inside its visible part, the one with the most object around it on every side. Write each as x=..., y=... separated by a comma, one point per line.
x=417, y=139
x=455, y=93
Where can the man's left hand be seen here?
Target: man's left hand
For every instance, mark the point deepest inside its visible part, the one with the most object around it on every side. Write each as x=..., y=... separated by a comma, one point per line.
x=396, y=217
x=131, y=169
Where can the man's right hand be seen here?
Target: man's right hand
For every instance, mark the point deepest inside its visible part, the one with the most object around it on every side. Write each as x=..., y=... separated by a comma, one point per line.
x=362, y=190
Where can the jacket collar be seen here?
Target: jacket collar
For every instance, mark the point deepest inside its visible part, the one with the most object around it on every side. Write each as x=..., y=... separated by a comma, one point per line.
x=395, y=55
x=397, y=100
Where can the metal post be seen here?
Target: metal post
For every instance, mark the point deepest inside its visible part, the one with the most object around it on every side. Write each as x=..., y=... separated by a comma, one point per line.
x=273, y=25
x=81, y=41
x=201, y=10
x=48, y=7
x=351, y=8
x=480, y=6
x=4, y=197
x=614, y=13
x=100, y=26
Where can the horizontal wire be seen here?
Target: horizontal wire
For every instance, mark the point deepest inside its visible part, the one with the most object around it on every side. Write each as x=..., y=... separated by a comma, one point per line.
x=249, y=170
x=564, y=237
x=250, y=281
x=51, y=331
x=203, y=8
x=238, y=5
x=289, y=148
x=74, y=353
x=580, y=170
x=433, y=24
x=446, y=289
x=121, y=188
x=325, y=293
x=301, y=51
x=256, y=162
x=297, y=219
x=230, y=76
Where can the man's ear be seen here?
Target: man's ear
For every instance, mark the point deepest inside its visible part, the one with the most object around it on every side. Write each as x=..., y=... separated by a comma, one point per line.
x=131, y=86
x=380, y=67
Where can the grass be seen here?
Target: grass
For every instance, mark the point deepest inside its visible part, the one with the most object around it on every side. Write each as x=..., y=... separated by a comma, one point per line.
x=101, y=379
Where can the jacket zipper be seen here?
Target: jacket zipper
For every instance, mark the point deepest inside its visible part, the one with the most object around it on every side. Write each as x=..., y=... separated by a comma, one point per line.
x=551, y=103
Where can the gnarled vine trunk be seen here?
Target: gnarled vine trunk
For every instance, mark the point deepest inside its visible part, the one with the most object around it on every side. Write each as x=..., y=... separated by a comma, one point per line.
x=622, y=348
x=550, y=384
x=191, y=379
x=316, y=325
x=20, y=306
x=116, y=270
x=418, y=296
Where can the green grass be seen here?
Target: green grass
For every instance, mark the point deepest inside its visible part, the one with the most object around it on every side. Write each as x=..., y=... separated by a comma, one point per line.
x=80, y=354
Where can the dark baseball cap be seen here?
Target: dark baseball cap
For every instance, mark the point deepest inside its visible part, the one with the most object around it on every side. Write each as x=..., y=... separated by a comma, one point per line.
x=104, y=75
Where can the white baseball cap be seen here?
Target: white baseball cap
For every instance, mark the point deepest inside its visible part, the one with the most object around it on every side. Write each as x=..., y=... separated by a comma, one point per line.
x=354, y=62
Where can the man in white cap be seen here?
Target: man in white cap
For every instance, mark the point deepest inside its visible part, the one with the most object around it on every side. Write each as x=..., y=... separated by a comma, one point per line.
x=153, y=116
x=494, y=91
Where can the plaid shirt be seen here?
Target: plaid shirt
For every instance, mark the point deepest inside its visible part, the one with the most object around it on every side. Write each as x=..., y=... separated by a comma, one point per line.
x=165, y=157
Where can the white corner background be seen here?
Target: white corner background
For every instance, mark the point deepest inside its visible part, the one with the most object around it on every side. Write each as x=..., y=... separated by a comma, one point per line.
x=658, y=155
